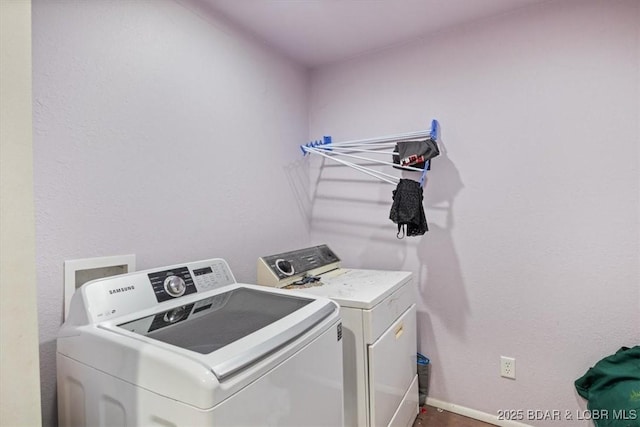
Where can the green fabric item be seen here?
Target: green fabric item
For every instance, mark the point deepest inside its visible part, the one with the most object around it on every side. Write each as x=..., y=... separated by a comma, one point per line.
x=612, y=389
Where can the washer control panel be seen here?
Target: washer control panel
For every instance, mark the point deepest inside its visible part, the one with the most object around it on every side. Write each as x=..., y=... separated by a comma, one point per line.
x=114, y=296
x=280, y=269
x=169, y=284
x=212, y=276
x=179, y=281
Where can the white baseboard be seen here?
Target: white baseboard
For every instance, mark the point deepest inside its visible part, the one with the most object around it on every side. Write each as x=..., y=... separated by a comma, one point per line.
x=473, y=413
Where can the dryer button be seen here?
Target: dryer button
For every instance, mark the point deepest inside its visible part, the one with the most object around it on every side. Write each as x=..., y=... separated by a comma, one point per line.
x=285, y=267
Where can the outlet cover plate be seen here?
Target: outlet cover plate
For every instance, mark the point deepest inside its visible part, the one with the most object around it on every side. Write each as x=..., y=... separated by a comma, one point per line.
x=508, y=367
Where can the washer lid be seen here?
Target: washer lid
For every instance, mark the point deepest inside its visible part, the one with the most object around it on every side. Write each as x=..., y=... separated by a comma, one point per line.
x=209, y=324
x=357, y=288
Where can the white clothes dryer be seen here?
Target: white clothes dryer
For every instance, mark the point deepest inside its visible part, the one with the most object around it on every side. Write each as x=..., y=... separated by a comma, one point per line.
x=186, y=345
x=379, y=330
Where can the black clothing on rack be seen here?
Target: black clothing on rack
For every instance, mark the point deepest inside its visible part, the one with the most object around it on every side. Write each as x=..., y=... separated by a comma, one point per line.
x=414, y=153
x=407, y=210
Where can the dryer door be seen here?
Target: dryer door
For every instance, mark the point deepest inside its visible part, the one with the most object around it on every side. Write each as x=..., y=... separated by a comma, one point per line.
x=392, y=368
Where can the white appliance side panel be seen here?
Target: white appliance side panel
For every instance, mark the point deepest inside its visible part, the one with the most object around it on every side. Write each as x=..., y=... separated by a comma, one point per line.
x=305, y=390
x=89, y=397
x=392, y=367
x=356, y=373
x=409, y=407
x=378, y=319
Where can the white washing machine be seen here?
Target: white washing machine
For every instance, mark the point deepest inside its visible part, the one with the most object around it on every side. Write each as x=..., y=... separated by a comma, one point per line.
x=186, y=345
x=379, y=330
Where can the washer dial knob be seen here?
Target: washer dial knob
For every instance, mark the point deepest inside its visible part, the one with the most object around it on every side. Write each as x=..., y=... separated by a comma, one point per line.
x=175, y=286
x=285, y=267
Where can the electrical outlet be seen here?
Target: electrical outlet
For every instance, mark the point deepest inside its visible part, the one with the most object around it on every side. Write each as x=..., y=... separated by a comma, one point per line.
x=508, y=367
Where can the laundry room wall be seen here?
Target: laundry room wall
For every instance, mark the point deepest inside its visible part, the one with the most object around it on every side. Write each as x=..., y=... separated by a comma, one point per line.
x=533, y=205
x=163, y=132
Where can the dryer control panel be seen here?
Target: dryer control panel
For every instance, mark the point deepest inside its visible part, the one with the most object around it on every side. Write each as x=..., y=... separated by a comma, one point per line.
x=285, y=268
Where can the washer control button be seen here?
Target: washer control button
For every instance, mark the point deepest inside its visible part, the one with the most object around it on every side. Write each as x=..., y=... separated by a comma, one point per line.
x=175, y=286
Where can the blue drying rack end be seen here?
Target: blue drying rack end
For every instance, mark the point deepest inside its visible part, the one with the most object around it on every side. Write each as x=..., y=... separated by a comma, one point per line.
x=423, y=177
x=326, y=140
x=435, y=130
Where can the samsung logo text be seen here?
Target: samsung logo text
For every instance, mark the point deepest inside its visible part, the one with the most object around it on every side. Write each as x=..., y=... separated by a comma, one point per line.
x=119, y=290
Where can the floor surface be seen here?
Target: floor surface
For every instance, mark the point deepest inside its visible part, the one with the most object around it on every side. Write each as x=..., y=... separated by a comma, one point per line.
x=430, y=416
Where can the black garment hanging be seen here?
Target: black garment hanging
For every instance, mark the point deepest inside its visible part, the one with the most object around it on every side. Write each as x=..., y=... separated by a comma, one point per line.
x=414, y=153
x=407, y=210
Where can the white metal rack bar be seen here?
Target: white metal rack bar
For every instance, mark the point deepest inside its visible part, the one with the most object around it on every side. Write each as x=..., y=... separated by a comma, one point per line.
x=331, y=150
x=356, y=150
x=376, y=174
x=387, y=138
x=382, y=162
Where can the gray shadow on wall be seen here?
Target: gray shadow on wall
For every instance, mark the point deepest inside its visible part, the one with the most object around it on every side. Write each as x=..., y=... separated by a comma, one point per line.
x=340, y=189
x=384, y=250
x=297, y=174
x=440, y=280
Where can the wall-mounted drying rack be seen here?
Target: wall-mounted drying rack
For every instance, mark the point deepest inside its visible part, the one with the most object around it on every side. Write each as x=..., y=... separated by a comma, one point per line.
x=383, y=145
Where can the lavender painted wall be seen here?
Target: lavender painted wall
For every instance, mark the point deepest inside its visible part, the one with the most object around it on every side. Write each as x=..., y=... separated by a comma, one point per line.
x=533, y=207
x=163, y=132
